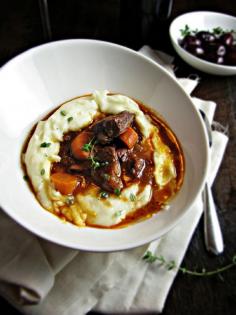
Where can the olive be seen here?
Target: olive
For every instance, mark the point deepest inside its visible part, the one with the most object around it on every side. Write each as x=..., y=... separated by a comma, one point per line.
x=227, y=39
x=195, y=50
x=231, y=56
x=199, y=51
x=215, y=49
x=211, y=47
x=220, y=60
x=221, y=50
x=211, y=56
x=190, y=40
x=206, y=37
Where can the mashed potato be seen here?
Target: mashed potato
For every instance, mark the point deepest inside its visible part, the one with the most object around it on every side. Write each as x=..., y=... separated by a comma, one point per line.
x=87, y=208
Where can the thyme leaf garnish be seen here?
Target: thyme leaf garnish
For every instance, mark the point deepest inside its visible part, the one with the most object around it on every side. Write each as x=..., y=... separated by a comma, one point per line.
x=106, y=176
x=45, y=144
x=117, y=191
x=42, y=172
x=87, y=147
x=104, y=194
x=70, y=200
x=63, y=112
x=118, y=213
x=132, y=197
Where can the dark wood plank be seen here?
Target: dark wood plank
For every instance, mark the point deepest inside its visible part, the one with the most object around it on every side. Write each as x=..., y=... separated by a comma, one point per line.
x=20, y=29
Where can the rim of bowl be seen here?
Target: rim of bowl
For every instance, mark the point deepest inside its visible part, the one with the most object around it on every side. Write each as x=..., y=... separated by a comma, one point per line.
x=175, y=40
x=152, y=237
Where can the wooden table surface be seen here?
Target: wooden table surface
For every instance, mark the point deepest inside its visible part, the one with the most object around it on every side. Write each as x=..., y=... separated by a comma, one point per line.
x=20, y=29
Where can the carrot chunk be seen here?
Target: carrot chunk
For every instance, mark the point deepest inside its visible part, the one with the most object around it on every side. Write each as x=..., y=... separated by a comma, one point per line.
x=129, y=137
x=78, y=145
x=64, y=183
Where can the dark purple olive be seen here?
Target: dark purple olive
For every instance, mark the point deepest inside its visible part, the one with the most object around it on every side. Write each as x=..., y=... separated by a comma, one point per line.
x=199, y=51
x=190, y=40
x=231, y=56
x=227, y=39
x=220, y=60
x=221, y=50
x=196, y=51
x=210, y=56
x=211, y=47
x=215, y=49
x=206, y=37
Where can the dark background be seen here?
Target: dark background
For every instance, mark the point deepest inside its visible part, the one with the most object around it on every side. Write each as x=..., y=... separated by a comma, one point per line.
x=130, y=23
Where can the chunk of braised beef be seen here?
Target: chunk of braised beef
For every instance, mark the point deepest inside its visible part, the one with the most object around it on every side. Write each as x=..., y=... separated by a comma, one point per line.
x=107, y=181
x=75, y=168
x=112, y=126
x=81, y=181
x=104, y=154
x=138, y=168
x=107, y=175
x=67, y=137
x=82, y=167
x=123, y=154
x=64, y=153
x=67, y=160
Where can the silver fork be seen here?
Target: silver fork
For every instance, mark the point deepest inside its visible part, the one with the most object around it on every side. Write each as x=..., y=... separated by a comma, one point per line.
x=212, y=231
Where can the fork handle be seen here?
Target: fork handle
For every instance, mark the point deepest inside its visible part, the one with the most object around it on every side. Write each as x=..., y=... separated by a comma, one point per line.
x=212, y=232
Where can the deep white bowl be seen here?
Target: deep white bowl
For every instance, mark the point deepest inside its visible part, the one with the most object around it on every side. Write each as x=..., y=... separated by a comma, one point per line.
x=202, y=20
x=42, y=78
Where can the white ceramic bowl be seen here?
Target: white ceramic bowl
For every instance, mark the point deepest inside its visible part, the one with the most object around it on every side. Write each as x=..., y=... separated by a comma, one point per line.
x=40, y=79
x=202, y=20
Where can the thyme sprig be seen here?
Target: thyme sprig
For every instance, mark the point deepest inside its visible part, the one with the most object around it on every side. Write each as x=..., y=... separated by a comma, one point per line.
x=94, y=162
x=169, y=265
x=87, y=147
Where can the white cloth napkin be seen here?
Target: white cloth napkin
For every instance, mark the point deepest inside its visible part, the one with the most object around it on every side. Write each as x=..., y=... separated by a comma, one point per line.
x=39, y=277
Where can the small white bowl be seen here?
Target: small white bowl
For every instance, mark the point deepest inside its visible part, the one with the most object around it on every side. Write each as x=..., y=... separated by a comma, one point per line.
x=202, y=20
x=44, y=77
